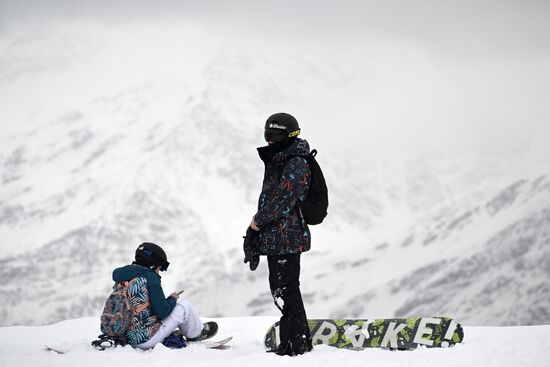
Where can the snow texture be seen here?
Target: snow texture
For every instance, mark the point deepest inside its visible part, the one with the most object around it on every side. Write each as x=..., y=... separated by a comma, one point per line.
x=483, y=346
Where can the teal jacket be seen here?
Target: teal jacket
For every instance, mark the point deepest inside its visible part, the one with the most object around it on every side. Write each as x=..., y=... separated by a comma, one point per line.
x=161, y=306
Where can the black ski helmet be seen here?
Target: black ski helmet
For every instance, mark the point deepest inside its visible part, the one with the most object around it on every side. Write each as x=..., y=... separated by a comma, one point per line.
x=151, y=255
x=280, y=127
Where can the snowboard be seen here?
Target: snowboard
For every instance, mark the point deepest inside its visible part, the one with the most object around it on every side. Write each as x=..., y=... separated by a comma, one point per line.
x=55, y=349
x=400, y=334
x=220, y=344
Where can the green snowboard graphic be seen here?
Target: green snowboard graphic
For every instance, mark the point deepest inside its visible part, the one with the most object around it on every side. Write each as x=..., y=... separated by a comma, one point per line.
x=399, y=334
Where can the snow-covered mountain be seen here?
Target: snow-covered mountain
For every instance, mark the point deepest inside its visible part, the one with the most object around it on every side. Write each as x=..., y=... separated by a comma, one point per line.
x=104, y=147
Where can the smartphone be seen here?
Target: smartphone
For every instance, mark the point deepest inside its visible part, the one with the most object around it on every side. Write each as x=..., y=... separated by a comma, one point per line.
x=179, y=292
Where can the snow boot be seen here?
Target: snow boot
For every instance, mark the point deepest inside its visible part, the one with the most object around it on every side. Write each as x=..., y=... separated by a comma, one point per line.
x=209, y=329
x=292, y=349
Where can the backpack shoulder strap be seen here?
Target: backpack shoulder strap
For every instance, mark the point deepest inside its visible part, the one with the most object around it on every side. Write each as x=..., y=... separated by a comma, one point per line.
x=307, y=157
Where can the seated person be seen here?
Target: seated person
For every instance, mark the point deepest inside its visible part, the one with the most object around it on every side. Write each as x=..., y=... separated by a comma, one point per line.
x=155, y=316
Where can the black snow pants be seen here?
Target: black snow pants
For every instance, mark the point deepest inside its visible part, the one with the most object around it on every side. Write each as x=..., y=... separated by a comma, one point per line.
x=284, y=281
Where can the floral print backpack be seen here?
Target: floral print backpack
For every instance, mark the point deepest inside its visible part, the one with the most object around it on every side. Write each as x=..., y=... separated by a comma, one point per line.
x=127, y=316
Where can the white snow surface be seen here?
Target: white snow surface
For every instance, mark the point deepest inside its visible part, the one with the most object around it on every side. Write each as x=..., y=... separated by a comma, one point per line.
x=483, y=346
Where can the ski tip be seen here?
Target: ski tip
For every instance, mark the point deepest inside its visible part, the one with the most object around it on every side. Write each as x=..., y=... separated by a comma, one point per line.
x=220, y=344
x=52, y=349
x=221, y=347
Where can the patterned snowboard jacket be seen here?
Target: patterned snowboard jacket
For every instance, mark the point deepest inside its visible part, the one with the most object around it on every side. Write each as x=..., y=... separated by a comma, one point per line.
x=144, y=288
x=283, y=229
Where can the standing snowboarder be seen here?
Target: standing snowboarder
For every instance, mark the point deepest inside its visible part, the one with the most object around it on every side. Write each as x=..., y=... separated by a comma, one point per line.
x=279, y=231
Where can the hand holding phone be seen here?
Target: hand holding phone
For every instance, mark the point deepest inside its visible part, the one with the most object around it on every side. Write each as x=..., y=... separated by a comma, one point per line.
x=176, y=294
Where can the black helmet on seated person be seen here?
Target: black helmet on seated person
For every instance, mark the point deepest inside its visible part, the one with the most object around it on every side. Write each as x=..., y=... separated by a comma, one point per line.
x=151, y=256
x=281, y=127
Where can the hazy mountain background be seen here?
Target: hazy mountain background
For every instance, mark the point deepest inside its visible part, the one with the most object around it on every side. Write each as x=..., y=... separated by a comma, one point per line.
x=123, y=123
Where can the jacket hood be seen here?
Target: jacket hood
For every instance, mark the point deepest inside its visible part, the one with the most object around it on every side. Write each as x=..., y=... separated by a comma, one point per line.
x=129, y=272
x=297, y=147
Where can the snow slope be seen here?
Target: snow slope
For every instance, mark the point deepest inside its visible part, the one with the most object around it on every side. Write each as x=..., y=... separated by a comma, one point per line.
x=483, y=346
x=116, y=135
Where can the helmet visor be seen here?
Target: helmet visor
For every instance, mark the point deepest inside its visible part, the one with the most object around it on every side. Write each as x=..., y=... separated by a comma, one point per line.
x=164, y=266
x=274, y=135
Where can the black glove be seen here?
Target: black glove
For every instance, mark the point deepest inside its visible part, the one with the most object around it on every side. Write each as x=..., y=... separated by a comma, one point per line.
x=250, y=248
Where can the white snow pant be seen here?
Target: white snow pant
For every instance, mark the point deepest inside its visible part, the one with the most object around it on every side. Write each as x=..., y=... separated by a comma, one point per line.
x=184, y=317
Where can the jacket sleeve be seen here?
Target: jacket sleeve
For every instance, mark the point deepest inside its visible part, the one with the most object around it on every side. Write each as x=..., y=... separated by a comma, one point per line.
x=160, y=305
x=293, y=186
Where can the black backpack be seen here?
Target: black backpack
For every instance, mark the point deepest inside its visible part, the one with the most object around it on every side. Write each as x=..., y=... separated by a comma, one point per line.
x=314, y=208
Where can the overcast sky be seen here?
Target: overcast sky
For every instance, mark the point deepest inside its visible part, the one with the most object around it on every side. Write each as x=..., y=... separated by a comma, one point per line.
x=499, y=25
x=479, y=66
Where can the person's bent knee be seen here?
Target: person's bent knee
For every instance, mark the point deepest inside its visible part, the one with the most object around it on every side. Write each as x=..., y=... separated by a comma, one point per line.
x=178, y=313
x=185, y=304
